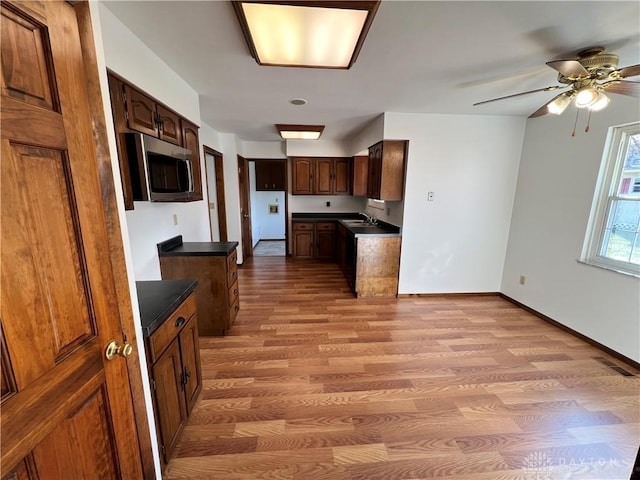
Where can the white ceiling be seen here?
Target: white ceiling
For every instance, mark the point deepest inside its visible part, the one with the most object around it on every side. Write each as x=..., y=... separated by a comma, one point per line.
x=419, y=56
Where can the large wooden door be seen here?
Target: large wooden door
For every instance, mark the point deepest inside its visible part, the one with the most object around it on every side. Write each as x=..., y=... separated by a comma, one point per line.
x=66, y=410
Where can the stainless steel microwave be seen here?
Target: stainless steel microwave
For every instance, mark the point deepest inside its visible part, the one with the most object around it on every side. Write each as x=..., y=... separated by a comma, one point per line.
x=160, y=171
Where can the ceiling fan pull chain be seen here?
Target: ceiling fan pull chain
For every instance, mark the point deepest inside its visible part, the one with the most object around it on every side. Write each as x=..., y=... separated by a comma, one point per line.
x=573, y=134
x=586, y=130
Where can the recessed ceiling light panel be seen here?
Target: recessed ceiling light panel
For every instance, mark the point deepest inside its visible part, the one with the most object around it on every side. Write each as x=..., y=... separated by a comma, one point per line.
x=300, y=132
x=305, y=34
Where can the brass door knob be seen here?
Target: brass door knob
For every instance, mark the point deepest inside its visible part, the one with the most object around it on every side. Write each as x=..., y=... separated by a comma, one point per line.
x=114, y=349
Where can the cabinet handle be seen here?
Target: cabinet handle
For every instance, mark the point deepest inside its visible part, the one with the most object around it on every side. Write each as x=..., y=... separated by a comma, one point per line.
x=236, y=308
x=235, y=291
x=180, y=321
x=234, y=274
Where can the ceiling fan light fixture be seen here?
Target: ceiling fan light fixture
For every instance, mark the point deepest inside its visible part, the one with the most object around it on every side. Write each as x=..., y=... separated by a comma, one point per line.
x=300, y=132
x=586, y=97
x=305, y=33
x=559, y=104
x=601, y=103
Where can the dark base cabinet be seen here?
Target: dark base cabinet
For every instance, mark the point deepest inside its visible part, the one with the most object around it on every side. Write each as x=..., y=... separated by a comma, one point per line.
x=173, y=358
x=314, y=240
x=214, y=265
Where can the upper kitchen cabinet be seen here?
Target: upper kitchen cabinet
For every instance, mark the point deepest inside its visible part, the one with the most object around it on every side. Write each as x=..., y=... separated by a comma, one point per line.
x=136, y=111
x=145, y=115
x=321, y=176
x=385, y=176
x=190, y=140
x=359, y=175
x=271, y=175
x=302, y=175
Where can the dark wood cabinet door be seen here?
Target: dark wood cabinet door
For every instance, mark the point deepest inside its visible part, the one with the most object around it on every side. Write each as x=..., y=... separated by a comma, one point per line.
x=324, y=176
x=116, y=92
x=302, y=176
x=141, y=112
x=325, y=241
x=342, y=176
x=359, y=177
x=303, y=238
x=191, y=140
x=190, y=352
x=271, y=175
x=171, y=407
x=169, y=125
x=375, y=171
x=65, y=408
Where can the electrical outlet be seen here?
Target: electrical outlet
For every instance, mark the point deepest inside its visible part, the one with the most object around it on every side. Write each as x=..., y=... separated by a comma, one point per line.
x=429, y=196
x=175, y=218
x=522, y=279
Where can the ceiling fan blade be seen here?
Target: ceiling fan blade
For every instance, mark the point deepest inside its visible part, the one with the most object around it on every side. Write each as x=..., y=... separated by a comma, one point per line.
x=546, y=89
x=571, y=69
x=622, y=87
x=631, y=71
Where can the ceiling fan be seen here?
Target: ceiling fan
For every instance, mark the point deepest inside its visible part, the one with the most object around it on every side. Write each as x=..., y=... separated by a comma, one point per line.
x=588, y=77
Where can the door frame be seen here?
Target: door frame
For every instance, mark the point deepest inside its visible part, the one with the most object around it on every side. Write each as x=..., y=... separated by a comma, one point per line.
x=218, y=167
x=116, y=253
x=286, y=197
x=245, y=206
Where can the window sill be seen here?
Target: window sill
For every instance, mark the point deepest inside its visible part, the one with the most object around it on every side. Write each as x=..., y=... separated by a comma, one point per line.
x=610, y=268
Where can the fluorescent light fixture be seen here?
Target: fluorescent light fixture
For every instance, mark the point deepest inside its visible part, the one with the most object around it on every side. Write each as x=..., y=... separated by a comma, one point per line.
x=300, y=132
x=320, y=34
x=559, y=104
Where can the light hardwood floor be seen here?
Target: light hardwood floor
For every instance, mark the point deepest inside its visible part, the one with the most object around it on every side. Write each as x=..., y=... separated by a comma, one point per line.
x=312, y=384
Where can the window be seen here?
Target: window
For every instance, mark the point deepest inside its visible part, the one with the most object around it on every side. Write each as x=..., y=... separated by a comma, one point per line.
x=613, y=239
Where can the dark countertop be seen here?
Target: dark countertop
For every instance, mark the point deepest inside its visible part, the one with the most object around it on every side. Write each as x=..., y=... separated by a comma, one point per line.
x=158, y=299
x=381, y=229
x=175, y=247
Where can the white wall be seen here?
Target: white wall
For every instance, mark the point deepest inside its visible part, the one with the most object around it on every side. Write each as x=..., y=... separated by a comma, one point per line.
x=153, y=222
x=317, y=148
x=553, y=200
x=263, y=150
x=456, y=243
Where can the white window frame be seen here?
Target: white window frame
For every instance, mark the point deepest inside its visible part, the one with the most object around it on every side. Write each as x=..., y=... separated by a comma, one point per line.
x=606, y=192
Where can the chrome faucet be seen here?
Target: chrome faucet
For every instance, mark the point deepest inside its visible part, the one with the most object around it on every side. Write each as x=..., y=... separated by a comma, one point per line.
x=369, y=219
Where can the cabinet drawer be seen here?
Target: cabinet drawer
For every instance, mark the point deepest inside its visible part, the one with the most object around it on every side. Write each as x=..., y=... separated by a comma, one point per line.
x=232, y=274
x=233, y=293
x=323, y=226
x=233, y=312
x=302, y=225
x=172, y=326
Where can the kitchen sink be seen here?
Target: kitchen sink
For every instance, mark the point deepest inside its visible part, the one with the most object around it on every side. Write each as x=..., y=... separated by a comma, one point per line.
x=358, y=223
x=355, y=222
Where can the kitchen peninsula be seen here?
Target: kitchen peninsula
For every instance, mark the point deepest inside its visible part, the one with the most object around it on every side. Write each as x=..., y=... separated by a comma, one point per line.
x=367, y=251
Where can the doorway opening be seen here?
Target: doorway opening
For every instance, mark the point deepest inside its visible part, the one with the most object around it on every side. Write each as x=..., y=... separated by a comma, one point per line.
x=268, y=198
x=215, y=193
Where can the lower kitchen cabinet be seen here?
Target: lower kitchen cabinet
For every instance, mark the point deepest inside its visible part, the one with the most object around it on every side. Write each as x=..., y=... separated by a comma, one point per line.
x=303, y=239
x=314, y=240
x=173, y=356
x=215, y=266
